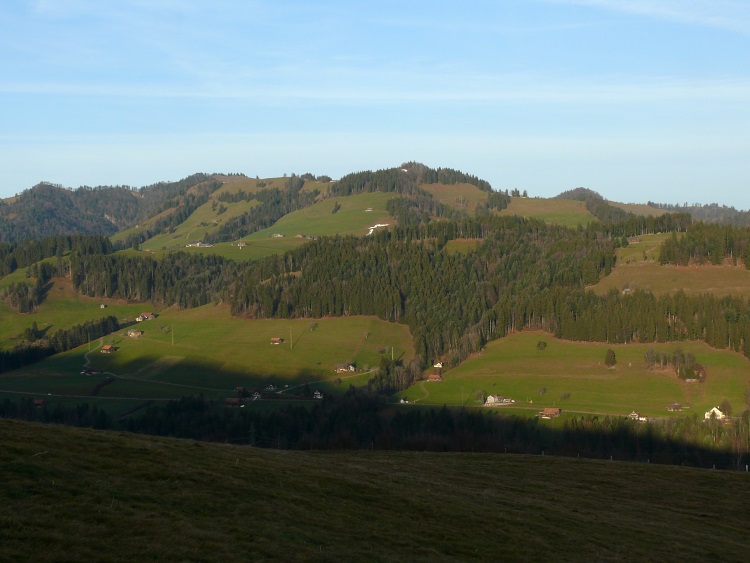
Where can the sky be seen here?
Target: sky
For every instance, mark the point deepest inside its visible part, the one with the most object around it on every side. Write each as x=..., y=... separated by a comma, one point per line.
x=639, y=100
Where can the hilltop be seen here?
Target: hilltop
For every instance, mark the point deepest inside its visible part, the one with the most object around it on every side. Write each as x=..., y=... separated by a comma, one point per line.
x=78, y=494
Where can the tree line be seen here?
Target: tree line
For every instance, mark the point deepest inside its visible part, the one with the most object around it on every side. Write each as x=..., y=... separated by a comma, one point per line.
x=364, y=420
x=14, y=255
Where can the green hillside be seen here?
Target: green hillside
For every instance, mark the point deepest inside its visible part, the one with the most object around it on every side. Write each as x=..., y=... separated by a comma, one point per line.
x=356, y=214
x=459, y=196
x=573, y=376
x=62, y=308
x=207, y=351
x=74, y=494
x=638, y=268
x=566, y=212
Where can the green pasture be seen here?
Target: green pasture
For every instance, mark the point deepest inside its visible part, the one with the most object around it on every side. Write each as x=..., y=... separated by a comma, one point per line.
x=646, y=248
x=462, y=245
x=459, y=196
x=566, y=212
x=638, y=268
x=572, y=376
x=63, y=308
x=638, y=208
x=318, y=219
x=207, y=351
x=650, y=276
x=203, y=220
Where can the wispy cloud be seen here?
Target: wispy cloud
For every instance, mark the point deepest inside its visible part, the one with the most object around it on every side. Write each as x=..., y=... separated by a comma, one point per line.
x=732, y=15
x=387, y=86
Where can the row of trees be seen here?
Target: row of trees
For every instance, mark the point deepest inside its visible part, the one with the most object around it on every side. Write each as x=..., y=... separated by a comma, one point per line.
x=361, y=419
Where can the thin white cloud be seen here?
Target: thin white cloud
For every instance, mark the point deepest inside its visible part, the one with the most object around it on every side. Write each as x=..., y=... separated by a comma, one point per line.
x=356, y=88
x=732, y=15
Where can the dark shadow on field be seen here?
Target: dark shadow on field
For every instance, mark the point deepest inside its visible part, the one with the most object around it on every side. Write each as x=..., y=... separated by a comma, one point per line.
x=186, y=377
x=360, y=420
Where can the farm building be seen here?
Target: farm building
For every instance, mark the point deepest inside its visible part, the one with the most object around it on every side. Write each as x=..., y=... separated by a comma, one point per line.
x=637, y=417
x=277, y=341
x=434, y=377
x=343, y=368
x=550, y=412
x=497, y=400
x=107, y=349
x=135, y=333
x=145, y=316
x=714, y=413
x=674, y=407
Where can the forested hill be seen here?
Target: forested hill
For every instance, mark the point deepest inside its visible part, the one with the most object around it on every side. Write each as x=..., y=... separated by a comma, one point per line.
x=48, y=210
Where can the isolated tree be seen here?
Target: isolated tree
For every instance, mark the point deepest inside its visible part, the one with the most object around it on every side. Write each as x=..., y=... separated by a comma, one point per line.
x=610, y=359
x=726, y=407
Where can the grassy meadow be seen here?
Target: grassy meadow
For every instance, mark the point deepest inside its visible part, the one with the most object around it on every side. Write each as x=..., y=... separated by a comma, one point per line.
x=77, y=494
x=206, y=350
x=462, y=245
x=638, y=208
x=572, y=376
x=638, y=268
x=459, y=196
x=566, y=212
x=318, y=219
x=63, y=308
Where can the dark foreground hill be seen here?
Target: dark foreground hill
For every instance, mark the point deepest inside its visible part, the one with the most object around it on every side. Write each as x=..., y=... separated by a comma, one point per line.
x=73, y=494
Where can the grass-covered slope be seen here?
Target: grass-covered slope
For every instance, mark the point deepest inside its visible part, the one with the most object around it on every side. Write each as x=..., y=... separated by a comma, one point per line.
x=638, y=268
x=573, y=376
x=566, y=212
x=462, y=196
x=73, y=494
x=207, y=351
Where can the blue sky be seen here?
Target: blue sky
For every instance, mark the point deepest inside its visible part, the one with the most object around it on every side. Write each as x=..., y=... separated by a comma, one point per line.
x=637, y=99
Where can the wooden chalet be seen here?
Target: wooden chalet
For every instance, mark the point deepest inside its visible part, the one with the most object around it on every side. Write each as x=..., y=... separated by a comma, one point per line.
x=277, y=341
x=107, y=349
x=550, y=412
